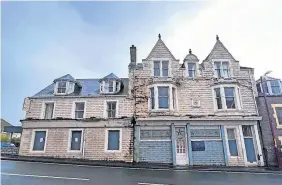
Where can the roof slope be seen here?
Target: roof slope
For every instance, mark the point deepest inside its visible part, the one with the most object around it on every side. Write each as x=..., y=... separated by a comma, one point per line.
x=160, y=51
x=89, y=87
x=65, y=77
x=4, y=123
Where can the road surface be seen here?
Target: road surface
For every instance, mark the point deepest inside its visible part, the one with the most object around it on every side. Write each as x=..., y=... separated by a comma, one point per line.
x=16, y=172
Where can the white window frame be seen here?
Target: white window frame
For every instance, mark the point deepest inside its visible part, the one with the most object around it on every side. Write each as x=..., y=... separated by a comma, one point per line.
x=32, y=141
x=42, y=116
x=106, y=140
x=156, y=100
x=237, y=96
x=74, y=107
x=104, y=86
x=196, y=69
x=238, y=140
x=270, y=87
x=57, y=86
x=106, y=106
x=161, y=66
x=221, y=68
x=81, y=140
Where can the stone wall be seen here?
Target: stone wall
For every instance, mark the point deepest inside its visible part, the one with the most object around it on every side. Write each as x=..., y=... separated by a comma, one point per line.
x=94, y=147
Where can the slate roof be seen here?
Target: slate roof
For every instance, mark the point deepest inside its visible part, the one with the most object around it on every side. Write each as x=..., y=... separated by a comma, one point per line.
x=111, y=76
x=191, y=57
x=267, y=78
x=88, y=87
x=65, y=77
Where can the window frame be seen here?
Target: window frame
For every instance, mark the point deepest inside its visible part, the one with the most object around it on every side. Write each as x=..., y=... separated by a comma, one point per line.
x=105, y=86
x=32, y=141
x=156, y=99
x=274, y=106
x=57, y=87
x=195, y=69
x=44, y=108
x=107, y=140
x=221, y=68
x=279, y=86
x=161, y=60
x=227, y=143
x=74, y=109
x=106, y=109
x=166, y=97
x=70, y=139
x=237, y=97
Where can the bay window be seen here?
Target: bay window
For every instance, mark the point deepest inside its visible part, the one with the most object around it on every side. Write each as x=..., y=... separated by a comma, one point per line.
x=162, y=97
x=227, y=97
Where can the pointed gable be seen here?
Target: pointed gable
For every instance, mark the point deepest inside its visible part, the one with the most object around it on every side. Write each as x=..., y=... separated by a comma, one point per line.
x=219, y=51
x=160, y=51
x=111, y=75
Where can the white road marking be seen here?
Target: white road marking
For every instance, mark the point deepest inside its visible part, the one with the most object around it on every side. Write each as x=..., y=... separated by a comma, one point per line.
x=144, y=183
x=152, y=169
x=44, y=176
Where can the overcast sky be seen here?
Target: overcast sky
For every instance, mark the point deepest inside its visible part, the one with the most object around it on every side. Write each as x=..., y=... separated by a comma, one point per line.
x=45, y=40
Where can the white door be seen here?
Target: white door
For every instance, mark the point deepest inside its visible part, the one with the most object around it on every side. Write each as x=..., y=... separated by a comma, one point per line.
x=181, y=146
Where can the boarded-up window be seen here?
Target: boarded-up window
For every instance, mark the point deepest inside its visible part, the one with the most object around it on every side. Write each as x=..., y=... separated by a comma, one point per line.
x=205, y=134
x=113, y=139
x=39, y=140
x=155, y=134
x=198, y=145
x=76, y=139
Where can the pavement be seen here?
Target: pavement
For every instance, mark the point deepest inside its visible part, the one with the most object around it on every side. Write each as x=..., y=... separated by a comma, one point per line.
x=33, y=173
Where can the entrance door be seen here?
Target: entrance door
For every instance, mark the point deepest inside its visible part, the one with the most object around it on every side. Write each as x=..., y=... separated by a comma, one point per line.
x=249, y=144
x=181, y=146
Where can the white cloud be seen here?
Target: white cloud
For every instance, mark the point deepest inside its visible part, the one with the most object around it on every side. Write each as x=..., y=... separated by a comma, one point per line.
x=251, y=31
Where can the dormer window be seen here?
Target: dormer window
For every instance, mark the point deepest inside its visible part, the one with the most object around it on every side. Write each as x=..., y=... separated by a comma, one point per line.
x=110, y=84
x=62, y=87
x=191, y=70
x=275, y=87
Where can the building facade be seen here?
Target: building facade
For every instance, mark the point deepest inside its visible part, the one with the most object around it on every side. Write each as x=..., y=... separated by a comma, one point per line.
x=80, y=118
x=166, y=111
x=273, y=90
x=195, y=113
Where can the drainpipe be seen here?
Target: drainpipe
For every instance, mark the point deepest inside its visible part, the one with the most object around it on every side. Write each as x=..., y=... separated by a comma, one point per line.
x=271, y=126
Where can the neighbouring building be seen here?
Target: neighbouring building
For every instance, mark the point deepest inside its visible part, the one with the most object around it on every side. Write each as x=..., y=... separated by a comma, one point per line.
x=80, y=118
x=273, y=91
x=166, y=111
x=195, y=113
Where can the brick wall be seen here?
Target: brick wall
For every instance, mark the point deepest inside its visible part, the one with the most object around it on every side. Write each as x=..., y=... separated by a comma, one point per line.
x=58, y=138
x=95, y=106
x=155, y=151
x=213, y=154
x=267, y=138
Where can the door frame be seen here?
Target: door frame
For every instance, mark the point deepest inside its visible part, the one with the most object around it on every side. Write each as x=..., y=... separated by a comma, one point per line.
x=186, y=145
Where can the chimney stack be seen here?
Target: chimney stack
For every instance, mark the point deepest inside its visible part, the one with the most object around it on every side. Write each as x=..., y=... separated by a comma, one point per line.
x=133, y=55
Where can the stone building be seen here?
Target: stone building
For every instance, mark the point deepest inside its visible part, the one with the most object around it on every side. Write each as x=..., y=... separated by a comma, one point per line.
x=195, y=113
x=80, y=118
x=273, y=90
x=166, y=111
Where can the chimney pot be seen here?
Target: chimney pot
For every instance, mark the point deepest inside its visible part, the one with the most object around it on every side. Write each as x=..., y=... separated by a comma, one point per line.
x=133, y=54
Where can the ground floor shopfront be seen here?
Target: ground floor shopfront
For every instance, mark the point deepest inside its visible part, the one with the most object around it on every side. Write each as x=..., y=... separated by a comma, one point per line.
x=230, y=143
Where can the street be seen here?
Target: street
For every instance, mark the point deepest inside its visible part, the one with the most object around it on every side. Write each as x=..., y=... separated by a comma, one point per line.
x=16, y=172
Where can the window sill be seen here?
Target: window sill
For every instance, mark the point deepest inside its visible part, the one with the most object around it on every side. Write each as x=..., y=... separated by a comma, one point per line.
x=279, y=126
x=112, y=151
x=74, y=151
x=35, y=151
x=229, y=110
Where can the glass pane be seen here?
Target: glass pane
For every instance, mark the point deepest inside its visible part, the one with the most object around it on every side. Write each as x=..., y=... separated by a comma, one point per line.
x=191, y=66
x=265, y=87
x=113, y=140
x=156, y=68
x=230, y=102
x=39, y=140
x=62, y=84
x=233, y=147
x=174, y=98
x=191, y=73
x=274, y=83
x=231, y=133
x=165, y=64
x=152, y=98
x=279, y=114
x=163, y=103
x=49, y=110
x=163, y=91
x=76, y=140
x=217, y=65
x=79, y=114
x=111, y=83
x=229, y=91
x=79, y=106
x=276, y=90
x=219, y=103
x=217, y=92
x=165, y=72
x=225, y=65
x=247, y=131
